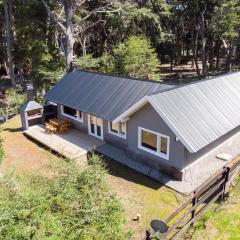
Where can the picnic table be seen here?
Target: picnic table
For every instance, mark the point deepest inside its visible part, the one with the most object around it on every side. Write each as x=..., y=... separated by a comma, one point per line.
x=57, y=122
x=59, y=125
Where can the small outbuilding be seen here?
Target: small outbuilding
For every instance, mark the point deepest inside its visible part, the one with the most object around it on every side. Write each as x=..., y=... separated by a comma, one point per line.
x=31, y=114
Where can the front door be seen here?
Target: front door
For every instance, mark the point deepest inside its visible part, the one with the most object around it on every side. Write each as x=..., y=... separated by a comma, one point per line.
x=95, y=126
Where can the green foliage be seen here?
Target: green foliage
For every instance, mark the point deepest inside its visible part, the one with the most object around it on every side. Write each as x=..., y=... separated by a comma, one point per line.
x=201, y=224
x=14, y=99
x=88, y=62
x=228, y=20
x=72, y=204
x=34, y=47
x=136, y=58
x=175, y=29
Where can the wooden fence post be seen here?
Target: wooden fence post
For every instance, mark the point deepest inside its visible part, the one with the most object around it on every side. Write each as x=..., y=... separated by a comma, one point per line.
x=148, y=235
x=194, y=201
x=226, y=177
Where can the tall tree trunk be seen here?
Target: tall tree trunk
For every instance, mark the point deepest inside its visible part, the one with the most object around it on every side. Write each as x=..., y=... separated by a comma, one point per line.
x=203, y=40
x=229, y=59
x=211, y=54
x=218, y=46
x=195, y=51
x=21, y=74
x=229, y=51
x=68, y=9
x=84, y=48
x=67, y=45
x=8, y=28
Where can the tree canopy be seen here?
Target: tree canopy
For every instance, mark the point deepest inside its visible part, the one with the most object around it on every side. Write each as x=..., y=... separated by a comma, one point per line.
x=135, y=58
x=40, y=39
x=73, y=204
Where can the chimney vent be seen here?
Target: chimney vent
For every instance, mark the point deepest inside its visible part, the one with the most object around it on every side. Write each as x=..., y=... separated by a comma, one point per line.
x=30, y=92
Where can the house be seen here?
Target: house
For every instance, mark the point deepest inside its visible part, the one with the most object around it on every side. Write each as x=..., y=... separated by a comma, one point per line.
x=169, y=128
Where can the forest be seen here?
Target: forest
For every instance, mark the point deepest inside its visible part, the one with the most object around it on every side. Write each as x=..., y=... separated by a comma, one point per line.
x=171, y=41
x=40, y=40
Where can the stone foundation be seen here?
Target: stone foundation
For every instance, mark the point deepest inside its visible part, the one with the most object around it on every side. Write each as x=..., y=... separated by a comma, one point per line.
x=171, y=171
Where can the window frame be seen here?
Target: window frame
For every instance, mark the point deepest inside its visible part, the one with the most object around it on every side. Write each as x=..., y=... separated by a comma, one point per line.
x=118, y=134
x=159, y=135
x=79, y=117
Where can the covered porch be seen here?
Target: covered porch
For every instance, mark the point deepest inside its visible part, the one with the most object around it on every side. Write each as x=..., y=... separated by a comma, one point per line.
x=73, y=144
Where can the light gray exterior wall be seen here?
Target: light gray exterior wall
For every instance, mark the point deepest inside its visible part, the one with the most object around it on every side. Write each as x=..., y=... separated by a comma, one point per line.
x=83, y=126
x=148, y=118
x=220, y=145
x=111, y=138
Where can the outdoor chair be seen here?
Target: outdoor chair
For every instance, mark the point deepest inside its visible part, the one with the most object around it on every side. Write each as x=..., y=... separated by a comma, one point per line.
x=50, y=128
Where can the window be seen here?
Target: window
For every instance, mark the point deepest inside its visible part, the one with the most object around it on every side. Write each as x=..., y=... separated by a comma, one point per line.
x=123, y=128
x=119, y=129
x=72, y=113
x=114, y=127
x=149, y=140
x=164, y=145
x=153, y=142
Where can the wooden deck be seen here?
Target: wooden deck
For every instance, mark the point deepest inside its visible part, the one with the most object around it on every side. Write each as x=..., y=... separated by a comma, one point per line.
x=73, y=144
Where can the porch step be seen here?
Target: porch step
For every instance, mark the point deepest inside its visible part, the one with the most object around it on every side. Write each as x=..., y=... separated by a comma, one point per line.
x=120, y=156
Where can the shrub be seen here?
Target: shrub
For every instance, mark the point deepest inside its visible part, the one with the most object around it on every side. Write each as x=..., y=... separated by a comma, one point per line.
x=14, y=99
x=74, y=204
x=136, y=58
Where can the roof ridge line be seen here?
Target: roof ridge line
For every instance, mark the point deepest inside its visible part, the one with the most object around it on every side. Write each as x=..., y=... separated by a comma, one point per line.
x=195, y=82
x=126, y=77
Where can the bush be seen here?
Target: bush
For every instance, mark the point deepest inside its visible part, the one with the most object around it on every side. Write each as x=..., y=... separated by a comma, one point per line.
x=136, y=58
x=14, y=99
x=73, y=204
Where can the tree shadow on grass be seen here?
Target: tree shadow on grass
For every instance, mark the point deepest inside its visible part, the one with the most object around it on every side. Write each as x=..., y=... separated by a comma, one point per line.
x=19, y=129
x=119, y=170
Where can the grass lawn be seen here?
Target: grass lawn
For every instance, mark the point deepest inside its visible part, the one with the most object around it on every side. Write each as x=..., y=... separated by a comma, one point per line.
x=221, y=221
x=137, y=193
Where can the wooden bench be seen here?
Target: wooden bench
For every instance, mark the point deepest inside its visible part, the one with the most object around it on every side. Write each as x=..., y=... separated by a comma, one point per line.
x=64, y=127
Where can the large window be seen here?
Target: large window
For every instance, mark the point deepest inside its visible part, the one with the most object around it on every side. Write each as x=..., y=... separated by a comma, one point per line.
x=118, y=129
x=71, y=113
x=153, y=142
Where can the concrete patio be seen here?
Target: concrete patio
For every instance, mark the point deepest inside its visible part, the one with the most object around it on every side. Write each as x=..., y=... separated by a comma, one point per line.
x=73, y=144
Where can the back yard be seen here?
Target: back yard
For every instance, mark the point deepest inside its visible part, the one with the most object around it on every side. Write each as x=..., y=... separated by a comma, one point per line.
x=220, y=222
x=139, y=194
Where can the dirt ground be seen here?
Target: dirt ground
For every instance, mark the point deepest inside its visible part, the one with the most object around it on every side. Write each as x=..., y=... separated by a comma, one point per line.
x=139, y=194
x=21, y=154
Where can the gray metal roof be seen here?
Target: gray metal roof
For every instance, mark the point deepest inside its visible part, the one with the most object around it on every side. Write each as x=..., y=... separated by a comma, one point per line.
x=31, y=105
x=201, y=112
x=101, y=95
